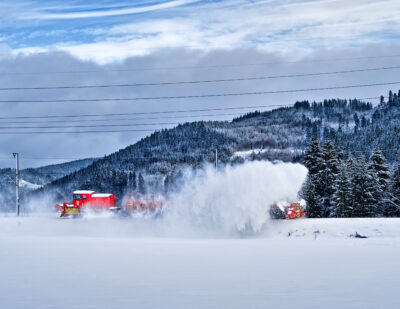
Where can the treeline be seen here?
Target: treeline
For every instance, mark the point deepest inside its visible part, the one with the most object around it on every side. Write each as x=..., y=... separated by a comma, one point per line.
x=355, y=125
x=346, y=186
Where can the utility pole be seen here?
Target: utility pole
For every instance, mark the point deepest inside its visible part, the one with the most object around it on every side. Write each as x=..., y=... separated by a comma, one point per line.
x=16, y=156
x=216, y=159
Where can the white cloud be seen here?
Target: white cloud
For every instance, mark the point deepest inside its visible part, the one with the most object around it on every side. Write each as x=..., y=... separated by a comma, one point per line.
x=117, y=12
x=295, y=28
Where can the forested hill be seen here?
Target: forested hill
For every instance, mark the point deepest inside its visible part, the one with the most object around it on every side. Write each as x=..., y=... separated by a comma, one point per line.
x=153, y=163
x=49, y=173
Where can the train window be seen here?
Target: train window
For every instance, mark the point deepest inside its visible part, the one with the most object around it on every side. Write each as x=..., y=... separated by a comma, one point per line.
x=84, y=197
x=77, y=196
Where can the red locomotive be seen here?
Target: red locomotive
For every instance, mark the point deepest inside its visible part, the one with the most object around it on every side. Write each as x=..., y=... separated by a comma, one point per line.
x=90, y=200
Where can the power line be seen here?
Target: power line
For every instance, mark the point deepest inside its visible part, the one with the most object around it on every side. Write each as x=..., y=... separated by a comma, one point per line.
x=162, y=112
x=79, y=132
x=56, y=158
x=80, y=159
x=76, y=159
x=118, y=119
x=202, y=95
x=200, y=81
x=143, y=113
x=201, y=67
x=92, y=126
x=43, y=158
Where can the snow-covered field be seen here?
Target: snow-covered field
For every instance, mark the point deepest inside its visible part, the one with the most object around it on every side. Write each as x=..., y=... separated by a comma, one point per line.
x=112, y=263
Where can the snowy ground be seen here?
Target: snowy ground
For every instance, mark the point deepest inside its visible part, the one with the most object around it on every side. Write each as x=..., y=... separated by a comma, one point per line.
x=110, y=263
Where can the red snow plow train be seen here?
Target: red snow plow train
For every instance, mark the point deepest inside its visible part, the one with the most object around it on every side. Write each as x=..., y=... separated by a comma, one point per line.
x=85, y=200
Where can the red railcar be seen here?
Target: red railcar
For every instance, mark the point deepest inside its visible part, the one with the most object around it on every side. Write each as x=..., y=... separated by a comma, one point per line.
x=90, y=200
x=295, y=211
x=284, y=210
x=132, y=205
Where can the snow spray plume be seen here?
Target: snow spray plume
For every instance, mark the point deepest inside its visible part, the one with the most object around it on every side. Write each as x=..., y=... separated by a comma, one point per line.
x=235, y=199
x=230, y=202
x=40, y=204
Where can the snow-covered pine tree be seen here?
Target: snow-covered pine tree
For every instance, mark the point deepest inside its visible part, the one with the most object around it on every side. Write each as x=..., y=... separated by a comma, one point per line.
x=313, y=157
x=393, y=210
x=327, y=175
x=363, y=190
x=342, y=205
x=378, y=167
x=308, y=193
x=350, y=164
x=141, y=185
x=132, y=182
x=351, y=167
x=390, y=96
x=311, y=189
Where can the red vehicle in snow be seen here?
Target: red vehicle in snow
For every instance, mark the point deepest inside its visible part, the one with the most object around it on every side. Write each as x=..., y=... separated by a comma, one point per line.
x=285, y=210
x=90, y=200
x=132, y=205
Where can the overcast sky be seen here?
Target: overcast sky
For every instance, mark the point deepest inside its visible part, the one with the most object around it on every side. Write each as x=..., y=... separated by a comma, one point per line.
x=72, y=43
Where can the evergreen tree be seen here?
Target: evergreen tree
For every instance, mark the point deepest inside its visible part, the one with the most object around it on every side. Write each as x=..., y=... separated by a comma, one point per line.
x=378, y=165
x=380, y=171
x=308, y=193
x=356, y=122
x=327, y=176
x=363, y=190
x=132, y=182
x=351, y=168
x=313, y=157
x=390, y=100
x=141, y=185
x=311, y=189
x=342, y=196
x=393, y=210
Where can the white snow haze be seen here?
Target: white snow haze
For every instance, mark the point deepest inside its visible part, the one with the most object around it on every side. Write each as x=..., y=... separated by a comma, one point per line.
x=234, y=199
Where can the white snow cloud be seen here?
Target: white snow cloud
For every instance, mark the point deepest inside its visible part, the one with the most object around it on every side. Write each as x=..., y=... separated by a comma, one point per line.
x=291, y=28
x=222, y=202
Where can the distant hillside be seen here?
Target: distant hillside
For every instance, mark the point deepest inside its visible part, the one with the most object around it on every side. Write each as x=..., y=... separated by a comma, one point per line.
x=155, y=162
x=34, y=178
x=49, y=173
x=156, y=158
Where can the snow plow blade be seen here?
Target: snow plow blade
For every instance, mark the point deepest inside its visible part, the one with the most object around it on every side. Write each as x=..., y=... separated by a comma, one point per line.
x=71, y=211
